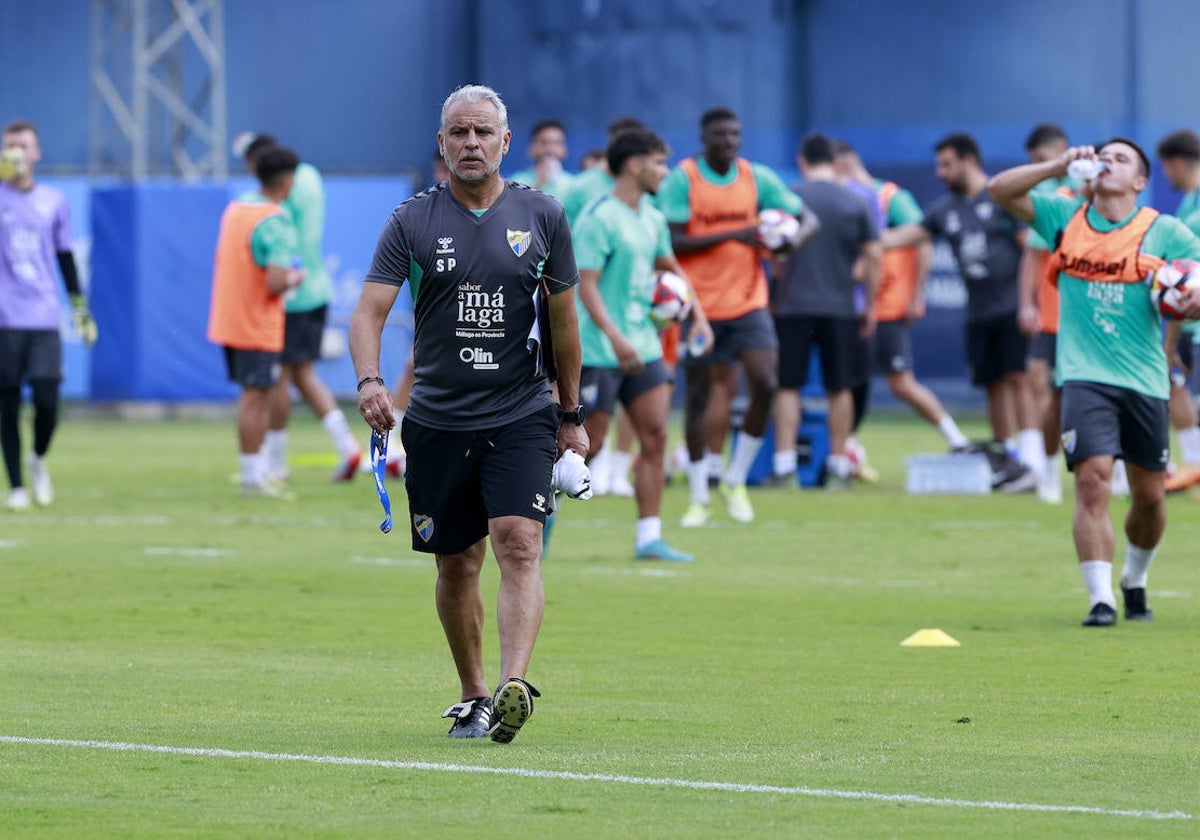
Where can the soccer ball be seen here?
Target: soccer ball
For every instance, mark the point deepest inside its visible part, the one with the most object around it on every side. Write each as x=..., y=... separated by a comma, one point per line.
x=778, y=230
x=1169, y=282
x=672, y=300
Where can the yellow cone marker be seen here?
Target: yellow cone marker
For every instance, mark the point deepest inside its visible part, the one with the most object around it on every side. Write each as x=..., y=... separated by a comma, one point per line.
x=930, y=637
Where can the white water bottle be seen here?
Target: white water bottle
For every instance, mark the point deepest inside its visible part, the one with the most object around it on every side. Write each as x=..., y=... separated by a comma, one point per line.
x=1085, y=169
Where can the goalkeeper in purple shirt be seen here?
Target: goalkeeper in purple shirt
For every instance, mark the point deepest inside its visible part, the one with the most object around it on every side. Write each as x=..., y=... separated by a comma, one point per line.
x=35, y=233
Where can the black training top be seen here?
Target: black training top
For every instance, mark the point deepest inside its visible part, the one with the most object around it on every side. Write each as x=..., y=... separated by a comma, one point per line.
x=475, y=280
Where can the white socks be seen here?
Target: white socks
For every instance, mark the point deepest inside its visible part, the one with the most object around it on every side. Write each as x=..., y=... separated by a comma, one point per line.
x=951, y=432
x=339, y=432
x=745, y=450
x=1137, y=566
x=1031, y=449
x=1097, y=577
x=253, y=468
x=716, y=464
x=275, y=451
x=618, y=467
x=648, y=530
x=1189, y=445
x=784, y=463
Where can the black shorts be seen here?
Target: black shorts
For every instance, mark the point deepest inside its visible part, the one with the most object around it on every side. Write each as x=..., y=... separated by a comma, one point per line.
x=892, y=347
x=29, y=355
x=996, y=347
x=1045, y=347
x=843, y=354
x=302, y=336
x=600, y=388
x=252, y=368
x=752, y=331
x=1105, y=420
x=458, y=480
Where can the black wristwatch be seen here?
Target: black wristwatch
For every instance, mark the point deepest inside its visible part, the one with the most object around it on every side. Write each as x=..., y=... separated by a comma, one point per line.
x=576, y=415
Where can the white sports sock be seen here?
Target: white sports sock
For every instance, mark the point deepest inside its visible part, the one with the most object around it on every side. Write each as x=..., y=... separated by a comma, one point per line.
x=275, y=449
x=1052, y=474
x=648, y=530
x=619, y=464
x=838, y=465
x=745, y=450
x=1137, y=565
x=1097, y=577
x=339, y=431
x=784, y=463
x=251, y=463
x=697, y=472
x=1189, y=445
x=951, y=432
x=1031, y=449
x=716, y=464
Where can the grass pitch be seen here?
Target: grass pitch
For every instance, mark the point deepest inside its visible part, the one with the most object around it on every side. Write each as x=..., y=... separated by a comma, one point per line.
x=277, y=669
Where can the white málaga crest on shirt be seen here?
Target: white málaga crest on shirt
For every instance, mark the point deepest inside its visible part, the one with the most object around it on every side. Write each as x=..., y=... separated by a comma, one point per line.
x=518, y=240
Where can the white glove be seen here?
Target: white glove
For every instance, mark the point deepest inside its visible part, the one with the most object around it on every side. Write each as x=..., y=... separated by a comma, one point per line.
x=572, y=476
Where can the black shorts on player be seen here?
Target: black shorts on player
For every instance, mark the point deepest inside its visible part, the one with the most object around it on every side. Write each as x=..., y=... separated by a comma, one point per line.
x=458, y=480
x=843, y=354
x=30, y=356
x=252, y=368
x=752, y=331
x=996, y=347
x=600, y=388
x=302, y=336
x=1106, y=420
x=891, y=347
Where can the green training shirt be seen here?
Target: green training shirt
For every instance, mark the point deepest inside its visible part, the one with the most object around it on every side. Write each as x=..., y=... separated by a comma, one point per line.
x=306, y=206
x=558, y=188
x=622, y=244
x=584, y=187
x=1111, y=333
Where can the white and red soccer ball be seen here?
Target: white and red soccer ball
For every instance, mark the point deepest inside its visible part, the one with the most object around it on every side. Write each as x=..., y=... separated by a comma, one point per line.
x=778, y=230
x=1169, y=282
x=671, y=302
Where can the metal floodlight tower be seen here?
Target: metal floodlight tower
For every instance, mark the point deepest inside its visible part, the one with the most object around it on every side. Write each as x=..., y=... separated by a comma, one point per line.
x=158, y=89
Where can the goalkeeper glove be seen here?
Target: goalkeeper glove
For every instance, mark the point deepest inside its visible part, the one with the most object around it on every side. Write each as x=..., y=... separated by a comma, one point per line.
x=82, y=320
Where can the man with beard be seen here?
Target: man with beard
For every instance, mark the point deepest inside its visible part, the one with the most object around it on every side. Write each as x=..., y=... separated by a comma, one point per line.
x=987, y=243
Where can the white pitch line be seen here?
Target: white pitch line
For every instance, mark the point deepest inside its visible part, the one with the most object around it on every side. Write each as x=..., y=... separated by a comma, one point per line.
x=728, y=787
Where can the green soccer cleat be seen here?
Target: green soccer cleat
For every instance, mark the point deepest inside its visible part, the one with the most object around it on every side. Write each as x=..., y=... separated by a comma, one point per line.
x=696, y=516
x=738, y=502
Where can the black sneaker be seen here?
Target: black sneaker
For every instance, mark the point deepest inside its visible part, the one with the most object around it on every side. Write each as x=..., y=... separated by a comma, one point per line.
x=1102, y=615
x=472, y=718
x=513, y=706
x=1135, y=603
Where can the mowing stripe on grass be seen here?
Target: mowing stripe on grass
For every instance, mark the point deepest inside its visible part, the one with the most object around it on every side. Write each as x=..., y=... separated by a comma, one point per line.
x=729, y=787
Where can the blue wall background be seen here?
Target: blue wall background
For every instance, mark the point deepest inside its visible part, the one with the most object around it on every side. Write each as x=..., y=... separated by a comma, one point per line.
x=356, y=86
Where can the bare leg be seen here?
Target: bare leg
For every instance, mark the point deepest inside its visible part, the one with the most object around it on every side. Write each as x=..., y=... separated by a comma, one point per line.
x=762, y=381
x=648, y=413
x=315, y=392
x=252, y=419
x=1147, y=516
x=1091, y=526
x=279, y=401
x=460, y=607
x=517, y=544
x=787, y=413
